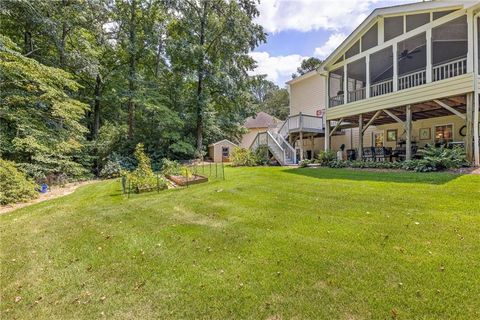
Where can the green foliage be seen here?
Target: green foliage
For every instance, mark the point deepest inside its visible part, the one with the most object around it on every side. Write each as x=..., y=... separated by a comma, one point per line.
x=325, y=157
x=261, y=155
x=40, y=124
x=304, y=163
x=111, y=169
x=269, y=97
x=437, y=159
x=242, y=157
x=307, y=65
x=143, y=178
x=171, y=167
x=14, y=184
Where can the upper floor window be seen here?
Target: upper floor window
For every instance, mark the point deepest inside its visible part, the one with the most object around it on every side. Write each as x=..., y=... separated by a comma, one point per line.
x=393, y=27
x=355, y=49
x=417, y=20
x=450, y=40
x=370, y=38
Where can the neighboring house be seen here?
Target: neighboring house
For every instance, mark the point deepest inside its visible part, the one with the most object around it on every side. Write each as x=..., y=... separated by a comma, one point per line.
x=408, y=76
x=261, y=122
x=220, y=151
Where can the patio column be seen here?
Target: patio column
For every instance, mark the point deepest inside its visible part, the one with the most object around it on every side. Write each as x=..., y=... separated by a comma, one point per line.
x=360, y=137
x=469, y=124
x=312, y=143
x=327, y=135
x=345, y=84
x=408, y=130
x=367, y=84
x=395, y=67
x=429, y=55
x=301, y=145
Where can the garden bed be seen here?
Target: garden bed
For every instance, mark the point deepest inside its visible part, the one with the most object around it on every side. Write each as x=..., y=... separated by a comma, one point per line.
x=184, y=181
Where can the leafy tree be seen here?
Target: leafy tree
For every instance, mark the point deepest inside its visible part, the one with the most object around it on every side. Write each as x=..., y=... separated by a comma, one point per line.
x=39, y=122
x=307, y=65
x=270, y=98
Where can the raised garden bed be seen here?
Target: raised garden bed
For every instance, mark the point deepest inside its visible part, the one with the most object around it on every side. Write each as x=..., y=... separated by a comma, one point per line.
x=183, y=181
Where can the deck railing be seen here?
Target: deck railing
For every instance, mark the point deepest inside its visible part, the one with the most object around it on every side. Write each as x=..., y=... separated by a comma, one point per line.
x=450, y=69
x=412, y=79
x=381, y=88
x=300, y=122
x=356, y=95
x=336, y=101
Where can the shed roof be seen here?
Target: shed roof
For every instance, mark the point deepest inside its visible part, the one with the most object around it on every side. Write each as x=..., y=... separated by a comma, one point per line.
x=222, y=141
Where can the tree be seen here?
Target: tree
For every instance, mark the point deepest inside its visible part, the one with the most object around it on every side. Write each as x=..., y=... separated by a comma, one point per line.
x=269, y=97
x=210, y=45
x=40, y=124
x=307, y=65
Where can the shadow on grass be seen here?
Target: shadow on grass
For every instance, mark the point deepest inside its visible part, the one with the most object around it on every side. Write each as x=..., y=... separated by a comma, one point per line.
x=436, y=178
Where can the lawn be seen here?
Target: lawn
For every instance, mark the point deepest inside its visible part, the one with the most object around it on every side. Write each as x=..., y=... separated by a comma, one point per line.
x=266, y=243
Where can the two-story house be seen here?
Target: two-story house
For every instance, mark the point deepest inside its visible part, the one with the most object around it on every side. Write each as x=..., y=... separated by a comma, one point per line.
x=407, y=77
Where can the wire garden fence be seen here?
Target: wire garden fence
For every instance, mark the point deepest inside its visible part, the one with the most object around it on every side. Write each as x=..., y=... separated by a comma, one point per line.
x=192, y=172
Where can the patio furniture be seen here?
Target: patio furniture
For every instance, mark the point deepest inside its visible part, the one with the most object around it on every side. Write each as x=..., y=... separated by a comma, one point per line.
x=351, y=154
x=381, y=153
x=369, y=154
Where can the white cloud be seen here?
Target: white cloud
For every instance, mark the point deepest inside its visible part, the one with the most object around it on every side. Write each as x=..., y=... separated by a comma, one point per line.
x=331, y=44
x=277, y=68
x=306, y=15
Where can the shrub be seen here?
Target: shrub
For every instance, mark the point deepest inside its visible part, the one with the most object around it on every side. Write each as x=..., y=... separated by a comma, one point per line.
x=325, y=157
x=14, y=185
x=111, y=169
x=304, y=163
x=261, y=155
x=143, y=178
x=436, y=159
x=242, y=157
x=171, y=167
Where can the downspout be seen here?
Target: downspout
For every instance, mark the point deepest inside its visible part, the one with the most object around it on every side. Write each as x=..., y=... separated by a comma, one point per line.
x=476, y=138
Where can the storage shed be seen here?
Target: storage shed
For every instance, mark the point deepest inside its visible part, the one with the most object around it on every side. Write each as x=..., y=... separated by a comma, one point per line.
x=220, y=151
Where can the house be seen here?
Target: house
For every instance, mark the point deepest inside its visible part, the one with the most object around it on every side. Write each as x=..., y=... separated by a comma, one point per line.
x=220, y=151
x=261, y=122
x=407, y=77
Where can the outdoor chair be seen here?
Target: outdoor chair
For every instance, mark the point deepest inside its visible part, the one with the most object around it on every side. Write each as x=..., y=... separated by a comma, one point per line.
x=351, y=154
x=369, y=154
x=381, y=153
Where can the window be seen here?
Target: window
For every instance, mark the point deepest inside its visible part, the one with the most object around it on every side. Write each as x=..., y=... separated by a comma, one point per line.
x=450, y=40
x=355, y=49
x=412, y=54
x=393, y=27
x=378, y=139
x=225, y=152
x=417, y=20
x=370, y=38
x=443, y=134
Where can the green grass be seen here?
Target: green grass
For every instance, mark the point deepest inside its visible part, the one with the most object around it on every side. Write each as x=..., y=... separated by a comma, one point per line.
x=266, y=243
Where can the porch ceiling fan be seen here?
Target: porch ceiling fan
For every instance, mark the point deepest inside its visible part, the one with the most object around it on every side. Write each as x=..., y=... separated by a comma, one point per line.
x=406, y=54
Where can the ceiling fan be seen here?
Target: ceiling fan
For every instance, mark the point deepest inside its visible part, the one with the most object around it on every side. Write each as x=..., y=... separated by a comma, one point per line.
x=405, y=54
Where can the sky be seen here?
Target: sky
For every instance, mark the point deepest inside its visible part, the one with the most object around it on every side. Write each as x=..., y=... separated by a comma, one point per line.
x=298, y=29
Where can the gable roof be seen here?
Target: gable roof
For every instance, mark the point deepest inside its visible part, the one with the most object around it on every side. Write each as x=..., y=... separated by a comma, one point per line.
x=260, y=120
x=398, y=9
x=221, y=141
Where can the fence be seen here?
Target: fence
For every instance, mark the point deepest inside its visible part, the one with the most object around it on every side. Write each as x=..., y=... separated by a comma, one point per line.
x=194, y=171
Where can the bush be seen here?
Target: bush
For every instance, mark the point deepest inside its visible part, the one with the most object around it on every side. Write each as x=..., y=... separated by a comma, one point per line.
x=242, y=157
x=143, y=178
x=304, y=163
x=111, y=169
x=437, y=159
x=171, y=167
x=261, y=155
x=14, y=185
x=325, y=157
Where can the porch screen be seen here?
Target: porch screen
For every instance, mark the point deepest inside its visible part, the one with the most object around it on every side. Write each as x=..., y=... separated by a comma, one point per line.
x=450, y=41
x=412, y=54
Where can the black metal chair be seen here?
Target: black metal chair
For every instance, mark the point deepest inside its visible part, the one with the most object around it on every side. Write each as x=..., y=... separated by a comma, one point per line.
x=369, y=154
x=381, y=153
x=351, y=154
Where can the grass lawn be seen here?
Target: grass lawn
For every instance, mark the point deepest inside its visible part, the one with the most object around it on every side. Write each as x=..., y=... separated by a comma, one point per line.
x=266, y=243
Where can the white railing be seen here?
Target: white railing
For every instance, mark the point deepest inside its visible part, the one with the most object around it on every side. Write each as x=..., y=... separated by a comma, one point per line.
x=311, y=122
x=336, y=101
x=300, y=122
x=289, y=151
x=381, y=88
x=450, y=69
x=413, y=79
x=282, y=154
x=356, y=95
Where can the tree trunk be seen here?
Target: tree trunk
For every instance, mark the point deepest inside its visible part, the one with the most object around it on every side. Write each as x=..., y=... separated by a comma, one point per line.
x=159, y=56
x=132, y=69
x=200, y=79
x=96, y=107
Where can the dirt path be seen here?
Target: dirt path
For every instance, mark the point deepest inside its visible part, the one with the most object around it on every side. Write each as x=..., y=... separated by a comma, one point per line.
x=55, y=192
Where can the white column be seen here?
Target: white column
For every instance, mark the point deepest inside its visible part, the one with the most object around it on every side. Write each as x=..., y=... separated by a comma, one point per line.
x=367, y=89
x=380, y=30
x=327, y=91
x=395, y=67
x=476, y=137
x=345, y=84
x=429, y=55
x=471, y=49
x=408, y=129
x=469, y=123
x=360, y=137
x=327, y=135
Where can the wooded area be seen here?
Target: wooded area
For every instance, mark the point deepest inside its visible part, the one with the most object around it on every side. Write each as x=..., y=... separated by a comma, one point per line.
x=85, y=81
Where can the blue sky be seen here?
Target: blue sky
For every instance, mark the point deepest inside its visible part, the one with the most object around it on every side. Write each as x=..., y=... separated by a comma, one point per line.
x=298, y=29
